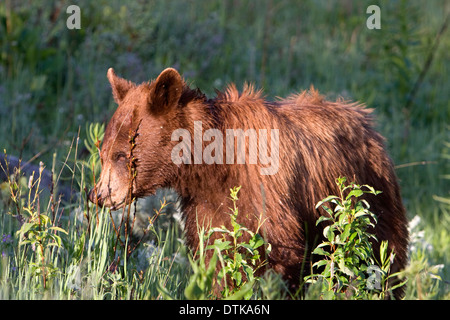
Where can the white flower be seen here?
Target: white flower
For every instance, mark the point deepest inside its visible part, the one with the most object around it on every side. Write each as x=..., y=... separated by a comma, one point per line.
x=414, y=223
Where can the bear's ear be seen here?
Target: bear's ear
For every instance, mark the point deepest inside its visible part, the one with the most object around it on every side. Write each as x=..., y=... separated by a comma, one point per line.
x=166, y=91
x=119, y=86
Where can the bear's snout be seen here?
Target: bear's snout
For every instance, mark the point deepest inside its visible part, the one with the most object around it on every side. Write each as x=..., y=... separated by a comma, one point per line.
x=95, y=197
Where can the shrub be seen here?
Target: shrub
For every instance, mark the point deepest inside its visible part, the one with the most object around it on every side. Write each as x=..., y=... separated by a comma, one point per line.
x=238, y=259
x=349, y=268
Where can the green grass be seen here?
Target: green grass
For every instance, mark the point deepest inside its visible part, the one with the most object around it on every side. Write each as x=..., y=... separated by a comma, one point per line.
x=53, y=85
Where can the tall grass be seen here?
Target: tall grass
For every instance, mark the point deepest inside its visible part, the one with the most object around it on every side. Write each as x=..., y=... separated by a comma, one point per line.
x=76, y=255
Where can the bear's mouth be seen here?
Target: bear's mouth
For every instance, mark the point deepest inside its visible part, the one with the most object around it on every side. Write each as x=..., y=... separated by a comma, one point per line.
x=124, y=202
x=119, y=205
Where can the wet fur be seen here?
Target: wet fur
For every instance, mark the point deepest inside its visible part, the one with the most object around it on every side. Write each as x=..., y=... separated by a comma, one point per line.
x=320, y=140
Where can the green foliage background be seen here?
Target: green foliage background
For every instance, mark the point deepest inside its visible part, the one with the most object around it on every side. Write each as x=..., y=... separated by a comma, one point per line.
x=53, y=80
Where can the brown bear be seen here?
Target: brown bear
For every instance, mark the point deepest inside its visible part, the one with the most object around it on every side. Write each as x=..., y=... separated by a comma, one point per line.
x=285, y=154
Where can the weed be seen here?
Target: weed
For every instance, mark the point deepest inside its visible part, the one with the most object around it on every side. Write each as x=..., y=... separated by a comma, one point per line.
x=237, y=260
x=349, y=264
x=37, y=229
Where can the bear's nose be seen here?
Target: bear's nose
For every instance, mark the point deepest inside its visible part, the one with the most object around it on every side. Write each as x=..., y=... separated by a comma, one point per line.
x=95, y=199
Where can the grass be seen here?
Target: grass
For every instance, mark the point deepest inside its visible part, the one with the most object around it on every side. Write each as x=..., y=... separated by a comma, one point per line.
x=53, y=85
x=87, y=261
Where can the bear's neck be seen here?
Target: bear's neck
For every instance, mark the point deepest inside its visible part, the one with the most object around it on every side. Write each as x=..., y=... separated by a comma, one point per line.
x=203, y=177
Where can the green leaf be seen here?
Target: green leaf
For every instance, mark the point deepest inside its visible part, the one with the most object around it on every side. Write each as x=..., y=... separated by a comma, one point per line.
x=320, y=251
x=212, y=265
x=164, y=292
x=220, y=244
x=328, y=233
x=345, y=269
x=237, y=276
x=25, y=228
x=353, y=236
x=327, y=199
x=57, y=239
x=44, y=219
x=249, y=273
x=244, y=292
x=361, y=214
x=324, y=244
x=58, y=229
x=323, y=218
x=256, y=241
x=372, y=190
x=354, y=193
x=200, y=282
x=320, y=263
x=346, y=233
x=52, y=244
x=238, y=258
x=193, y=291
x=383, y=251
x=222, y=230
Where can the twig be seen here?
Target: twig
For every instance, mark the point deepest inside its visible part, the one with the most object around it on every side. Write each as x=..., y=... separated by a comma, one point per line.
x=86, y=213
x=427, y=64
x=417, y=163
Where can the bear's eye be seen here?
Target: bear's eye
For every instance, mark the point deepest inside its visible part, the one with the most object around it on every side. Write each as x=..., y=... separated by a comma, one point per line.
x=120, y=156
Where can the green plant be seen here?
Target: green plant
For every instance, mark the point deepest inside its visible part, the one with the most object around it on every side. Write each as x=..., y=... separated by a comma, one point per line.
x=349, y=266
x=271, y=286
x=37, y=229
x=238, y=259
x=95, y=133
x=202, y=279
x=425, y=278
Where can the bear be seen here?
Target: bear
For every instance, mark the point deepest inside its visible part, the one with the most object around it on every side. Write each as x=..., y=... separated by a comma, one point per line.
x=285, y=154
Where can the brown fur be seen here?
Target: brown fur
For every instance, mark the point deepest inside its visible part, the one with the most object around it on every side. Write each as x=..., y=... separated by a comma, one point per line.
x=319, y=141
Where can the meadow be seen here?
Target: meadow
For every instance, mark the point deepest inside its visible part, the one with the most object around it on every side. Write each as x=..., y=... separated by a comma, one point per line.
x=54, y=99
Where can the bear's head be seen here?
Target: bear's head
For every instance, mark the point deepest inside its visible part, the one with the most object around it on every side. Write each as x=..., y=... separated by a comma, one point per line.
x=138, y=139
